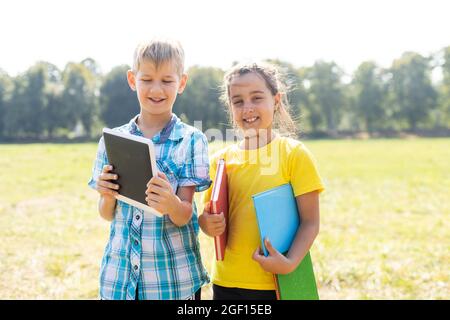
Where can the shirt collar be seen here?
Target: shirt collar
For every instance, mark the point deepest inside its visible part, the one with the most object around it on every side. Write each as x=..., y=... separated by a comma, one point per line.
x=174, y=130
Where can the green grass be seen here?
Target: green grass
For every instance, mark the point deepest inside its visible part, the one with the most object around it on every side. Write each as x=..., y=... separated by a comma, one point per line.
x=385, y=227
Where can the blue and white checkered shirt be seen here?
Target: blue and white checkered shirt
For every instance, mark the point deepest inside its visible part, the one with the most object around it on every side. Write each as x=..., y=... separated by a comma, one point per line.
x=151, y=253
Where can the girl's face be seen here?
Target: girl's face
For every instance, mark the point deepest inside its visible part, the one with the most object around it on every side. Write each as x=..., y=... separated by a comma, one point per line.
x=252, y=104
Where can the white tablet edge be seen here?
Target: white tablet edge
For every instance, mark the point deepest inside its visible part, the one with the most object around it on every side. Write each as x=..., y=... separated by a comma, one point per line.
x=139, y=205
x=151, y=150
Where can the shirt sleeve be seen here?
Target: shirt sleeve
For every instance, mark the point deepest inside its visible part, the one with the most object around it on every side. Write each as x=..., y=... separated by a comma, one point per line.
x=303, y=171
x=100, y=161
x=195, y=172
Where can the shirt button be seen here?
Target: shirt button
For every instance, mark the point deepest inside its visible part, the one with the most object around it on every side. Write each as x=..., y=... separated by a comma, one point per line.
x=138, y=217
x=135, y=267
x=136, y=242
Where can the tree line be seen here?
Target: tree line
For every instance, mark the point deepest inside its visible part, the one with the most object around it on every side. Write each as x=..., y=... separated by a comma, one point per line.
x=413, y=95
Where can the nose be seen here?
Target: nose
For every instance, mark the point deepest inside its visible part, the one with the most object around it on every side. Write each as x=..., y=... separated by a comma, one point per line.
x=156, y=87
x=248, y=106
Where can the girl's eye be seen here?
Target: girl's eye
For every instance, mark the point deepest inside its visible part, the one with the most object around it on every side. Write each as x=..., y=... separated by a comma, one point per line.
x=146, y=80
x=237, y=103
x=257, y=98
x=167, y=81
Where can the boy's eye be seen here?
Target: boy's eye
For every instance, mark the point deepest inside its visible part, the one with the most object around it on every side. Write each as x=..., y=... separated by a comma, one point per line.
x=167, y=81
x=257, y=98
x=237, y=102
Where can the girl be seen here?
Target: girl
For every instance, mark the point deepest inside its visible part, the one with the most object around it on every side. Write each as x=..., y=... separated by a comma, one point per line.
x=263, y=159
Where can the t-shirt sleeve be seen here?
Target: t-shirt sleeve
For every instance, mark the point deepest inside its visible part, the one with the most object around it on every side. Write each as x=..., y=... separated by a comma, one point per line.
x=303, y=171
x=195, y=172
x=100, y=161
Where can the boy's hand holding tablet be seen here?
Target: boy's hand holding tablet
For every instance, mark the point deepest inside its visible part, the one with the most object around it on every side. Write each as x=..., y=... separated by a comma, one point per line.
x=104, y=185
x=160, y=194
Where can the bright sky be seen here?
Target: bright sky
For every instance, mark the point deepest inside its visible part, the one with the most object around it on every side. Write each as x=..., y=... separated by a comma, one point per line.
x=216, y=33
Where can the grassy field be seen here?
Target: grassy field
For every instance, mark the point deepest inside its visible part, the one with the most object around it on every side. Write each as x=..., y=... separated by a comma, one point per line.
x=385, y=227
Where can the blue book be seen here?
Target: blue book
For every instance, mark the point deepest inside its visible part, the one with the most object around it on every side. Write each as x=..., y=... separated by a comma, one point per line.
x=278, y=220
x=277, y=215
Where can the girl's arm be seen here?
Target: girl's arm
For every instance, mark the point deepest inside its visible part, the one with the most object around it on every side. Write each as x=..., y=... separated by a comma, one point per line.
x=309, y=227
x=211, y=224
x=277, y=263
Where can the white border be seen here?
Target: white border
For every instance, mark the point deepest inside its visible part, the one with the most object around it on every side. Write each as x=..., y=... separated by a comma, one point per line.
x=151, y=150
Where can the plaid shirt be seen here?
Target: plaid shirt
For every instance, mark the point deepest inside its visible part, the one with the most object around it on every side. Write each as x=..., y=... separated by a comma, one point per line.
x=149, y=255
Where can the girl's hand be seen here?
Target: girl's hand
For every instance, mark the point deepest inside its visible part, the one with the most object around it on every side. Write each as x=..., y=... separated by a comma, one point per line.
x=160, y=194
x=105, y=187
x=211, y=224
x=275, y=262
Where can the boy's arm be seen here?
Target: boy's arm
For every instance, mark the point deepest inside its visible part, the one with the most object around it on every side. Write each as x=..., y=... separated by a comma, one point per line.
x=106, y=206
x=182, y=213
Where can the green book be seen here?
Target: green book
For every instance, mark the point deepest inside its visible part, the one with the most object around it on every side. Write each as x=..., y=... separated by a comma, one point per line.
x=278, y=220
x=300, y=284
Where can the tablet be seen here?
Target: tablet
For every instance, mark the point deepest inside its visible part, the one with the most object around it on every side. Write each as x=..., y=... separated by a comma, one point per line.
x=133, y=160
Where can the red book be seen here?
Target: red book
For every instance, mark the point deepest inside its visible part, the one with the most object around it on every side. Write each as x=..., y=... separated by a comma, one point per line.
x=219, y=203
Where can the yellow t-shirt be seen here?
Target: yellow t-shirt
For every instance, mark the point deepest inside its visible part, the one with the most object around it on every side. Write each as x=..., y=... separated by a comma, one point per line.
x=281, y=161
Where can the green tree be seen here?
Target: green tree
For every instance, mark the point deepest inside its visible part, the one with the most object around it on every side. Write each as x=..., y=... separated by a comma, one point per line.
x=367, y=89
x=326, y=95
x=25, y=112
x=5, y=92
x=118, y=103
x=444, y=90
x=413, y=92
x=53, y=113
x=78, y=96
x=200, y=99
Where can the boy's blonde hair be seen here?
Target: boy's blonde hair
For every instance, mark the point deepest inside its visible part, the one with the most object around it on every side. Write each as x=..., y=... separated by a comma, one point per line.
x=275, y=82
x=159, y=51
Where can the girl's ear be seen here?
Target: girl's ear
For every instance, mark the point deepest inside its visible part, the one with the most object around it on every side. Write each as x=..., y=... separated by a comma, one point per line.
x=183, y=81
x=277, y=99
x=131, y=79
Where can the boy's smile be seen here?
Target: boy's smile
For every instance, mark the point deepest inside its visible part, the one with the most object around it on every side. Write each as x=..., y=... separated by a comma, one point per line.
x=157, y=101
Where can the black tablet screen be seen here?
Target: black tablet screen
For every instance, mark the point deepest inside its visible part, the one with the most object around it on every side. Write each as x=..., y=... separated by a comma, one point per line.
x=131, y=162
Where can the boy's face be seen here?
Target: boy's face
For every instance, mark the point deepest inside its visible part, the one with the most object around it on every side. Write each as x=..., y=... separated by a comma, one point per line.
x=157, y=88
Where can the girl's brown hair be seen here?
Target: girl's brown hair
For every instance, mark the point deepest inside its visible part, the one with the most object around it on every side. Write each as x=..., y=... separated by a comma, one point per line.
x=275, y=82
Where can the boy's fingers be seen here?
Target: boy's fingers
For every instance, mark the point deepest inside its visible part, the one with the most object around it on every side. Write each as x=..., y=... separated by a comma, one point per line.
x=108, y=185
x=153, y=188
x=159, y=182
x=163, y=176
x=108, y=176
x=107, y=168
x=154, y=196
x=103, y=190
x=207, y=207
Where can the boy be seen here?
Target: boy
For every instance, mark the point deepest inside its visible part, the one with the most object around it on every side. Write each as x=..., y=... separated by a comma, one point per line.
x=149, y=257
